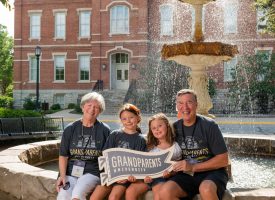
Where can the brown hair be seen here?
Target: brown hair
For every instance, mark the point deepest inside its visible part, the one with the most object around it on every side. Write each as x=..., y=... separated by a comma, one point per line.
x=170, y=135
x=133, y=109
x=187, y=91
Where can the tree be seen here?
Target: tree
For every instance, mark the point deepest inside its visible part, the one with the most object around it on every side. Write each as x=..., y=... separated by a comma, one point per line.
x=253, y=87
x=6, y=60
x=268, y=8
x=6, y=3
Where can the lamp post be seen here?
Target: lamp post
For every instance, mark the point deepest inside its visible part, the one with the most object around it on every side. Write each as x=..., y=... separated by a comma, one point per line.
x=37, y=54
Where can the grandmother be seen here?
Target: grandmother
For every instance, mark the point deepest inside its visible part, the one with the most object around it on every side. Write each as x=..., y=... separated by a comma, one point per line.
x=81, y=145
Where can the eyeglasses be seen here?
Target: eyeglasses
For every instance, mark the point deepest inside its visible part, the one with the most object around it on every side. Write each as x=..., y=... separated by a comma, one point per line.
x=66, y=186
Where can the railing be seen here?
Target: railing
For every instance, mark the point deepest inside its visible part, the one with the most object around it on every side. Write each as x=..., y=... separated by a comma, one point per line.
x=131, y=92
x=98, y=85
x=30, y=127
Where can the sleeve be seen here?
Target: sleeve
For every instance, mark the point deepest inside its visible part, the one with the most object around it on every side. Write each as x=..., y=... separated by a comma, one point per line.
x=64, y=149
x=216, y=141
x=110, y=142
x=177, y=154
x=142, y=146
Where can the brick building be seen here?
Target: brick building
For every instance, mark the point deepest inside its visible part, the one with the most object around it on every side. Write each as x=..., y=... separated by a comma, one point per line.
x=86, y=42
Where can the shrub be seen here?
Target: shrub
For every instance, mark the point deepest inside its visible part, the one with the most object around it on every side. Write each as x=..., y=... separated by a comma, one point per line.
x=71, y=106
x=56, y=107
x=6, y=102
x=10, y=113
x=30, y=104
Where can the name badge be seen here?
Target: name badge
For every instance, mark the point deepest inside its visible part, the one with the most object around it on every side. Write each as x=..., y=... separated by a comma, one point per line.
x=78, y=168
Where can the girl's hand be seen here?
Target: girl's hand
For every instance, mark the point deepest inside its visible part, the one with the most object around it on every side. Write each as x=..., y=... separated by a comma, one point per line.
x=182, y=165
x=132, y=179
x=148, y=179
x=166, y=174
x=122, y=181
x=60, y=183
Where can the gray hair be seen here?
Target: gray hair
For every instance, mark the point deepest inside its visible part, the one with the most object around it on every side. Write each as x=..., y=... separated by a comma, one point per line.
x=187, y=91
x=93, y=96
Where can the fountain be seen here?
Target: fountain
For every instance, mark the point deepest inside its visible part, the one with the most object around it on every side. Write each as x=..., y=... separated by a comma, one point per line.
x=199, y=55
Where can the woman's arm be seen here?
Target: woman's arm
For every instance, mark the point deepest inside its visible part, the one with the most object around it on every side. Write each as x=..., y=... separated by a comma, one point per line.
x=63, y=162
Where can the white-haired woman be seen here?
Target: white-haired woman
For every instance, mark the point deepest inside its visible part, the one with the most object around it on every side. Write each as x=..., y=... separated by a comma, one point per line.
x=81, y=145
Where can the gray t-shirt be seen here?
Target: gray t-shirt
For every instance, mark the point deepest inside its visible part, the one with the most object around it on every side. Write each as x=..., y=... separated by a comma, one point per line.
x=201, y=141
x=120, y=139
x=84, y=143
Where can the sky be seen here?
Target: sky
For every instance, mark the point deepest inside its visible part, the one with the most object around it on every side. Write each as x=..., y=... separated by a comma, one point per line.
x=7, y=17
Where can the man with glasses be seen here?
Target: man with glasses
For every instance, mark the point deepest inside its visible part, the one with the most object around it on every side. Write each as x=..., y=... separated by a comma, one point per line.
x=204, y=154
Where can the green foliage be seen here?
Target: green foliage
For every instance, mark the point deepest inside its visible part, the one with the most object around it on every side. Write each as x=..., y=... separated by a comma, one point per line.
x=71, y=106
x=161, y=80
x=6, y=3
x=56, y=107
x=253, y=88
x=212, y=87
x=10, y=113
x=6, y=102
x=29, y=104
x=6, y=60
x=268, y=7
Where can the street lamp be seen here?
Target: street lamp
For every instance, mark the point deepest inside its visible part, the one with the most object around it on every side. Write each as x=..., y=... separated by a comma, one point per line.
x=37, y=54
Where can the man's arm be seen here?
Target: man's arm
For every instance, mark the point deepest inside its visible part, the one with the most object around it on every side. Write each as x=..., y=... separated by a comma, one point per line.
x=216, y=162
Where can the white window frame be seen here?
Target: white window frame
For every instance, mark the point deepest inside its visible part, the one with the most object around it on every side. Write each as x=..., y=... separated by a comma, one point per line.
x=116, y=21
x=230, y=18
x=84, y=24
x=55, y=57
x=60, y=16
x=260, y=77
x=35, y=24
x=228, y=68
x=166, y=20
x=33, y=68
x=88, y=67
x=260, y=13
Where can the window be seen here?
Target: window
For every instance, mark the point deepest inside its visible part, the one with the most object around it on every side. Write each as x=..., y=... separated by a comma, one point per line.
x=266, y=57
x=84, y=67
x=261, y=20
x=84, y=23
x=59, y=99
x=119, y=20
x=60, y=25
x=35, y=25
x=166, y=20
x=229, y=68
x=32, y=68
x=121, y=58
x=230, y=18
x=59, y=67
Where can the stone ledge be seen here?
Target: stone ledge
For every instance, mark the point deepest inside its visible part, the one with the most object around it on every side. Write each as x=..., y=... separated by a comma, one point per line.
x=24, y=181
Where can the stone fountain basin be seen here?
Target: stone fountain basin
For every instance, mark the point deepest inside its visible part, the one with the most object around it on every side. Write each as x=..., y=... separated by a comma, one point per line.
x=21, y=179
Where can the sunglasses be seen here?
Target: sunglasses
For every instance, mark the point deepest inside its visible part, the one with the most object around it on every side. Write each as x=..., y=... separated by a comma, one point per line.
x=66, y=186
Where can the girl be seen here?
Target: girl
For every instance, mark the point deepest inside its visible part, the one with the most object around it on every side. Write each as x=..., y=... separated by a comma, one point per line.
x=129, y=137
x=160, y=137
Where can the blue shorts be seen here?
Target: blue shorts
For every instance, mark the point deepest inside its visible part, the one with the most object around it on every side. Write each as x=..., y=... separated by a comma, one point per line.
x=186, y=182
x=156, y=181
x=219, y=177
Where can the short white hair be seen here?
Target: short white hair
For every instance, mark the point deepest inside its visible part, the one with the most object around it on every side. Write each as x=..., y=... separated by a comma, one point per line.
x=93, y=96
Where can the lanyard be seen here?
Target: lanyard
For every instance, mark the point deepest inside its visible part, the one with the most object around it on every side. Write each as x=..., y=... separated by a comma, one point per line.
x=192, y=136
x=82, y=135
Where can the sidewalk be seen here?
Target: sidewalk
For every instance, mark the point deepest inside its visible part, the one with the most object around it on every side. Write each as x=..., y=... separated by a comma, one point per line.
x=264, y=120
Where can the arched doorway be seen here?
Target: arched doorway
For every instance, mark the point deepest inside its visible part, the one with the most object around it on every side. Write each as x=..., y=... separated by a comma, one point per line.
x=120, y=71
